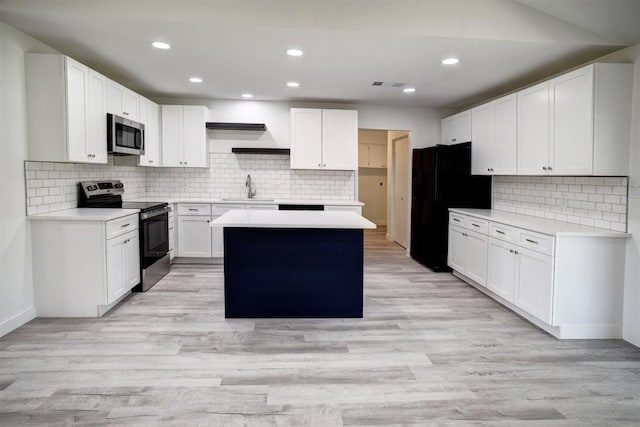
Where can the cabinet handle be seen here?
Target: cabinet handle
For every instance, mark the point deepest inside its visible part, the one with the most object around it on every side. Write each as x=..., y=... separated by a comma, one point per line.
x=549, y=167
x=456, y=219
x=492, y=170
x=475, y=225
x=185, y=163
x=125, y=113
x=193, y=210
x=531, y=241
x=515, y=252
x=125, y=225
x=499, y=232
x=150, y=161
x=511, y=250
x=453, y=139
x=488, y=169
x=544, y=168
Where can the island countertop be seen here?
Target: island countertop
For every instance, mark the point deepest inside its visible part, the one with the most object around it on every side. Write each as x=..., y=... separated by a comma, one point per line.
x=292, y=219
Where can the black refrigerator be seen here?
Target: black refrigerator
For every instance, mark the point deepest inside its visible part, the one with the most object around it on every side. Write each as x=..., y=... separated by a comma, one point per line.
x=441, y=180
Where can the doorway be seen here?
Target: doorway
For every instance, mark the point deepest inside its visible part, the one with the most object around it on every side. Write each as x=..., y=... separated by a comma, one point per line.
x=401, y=173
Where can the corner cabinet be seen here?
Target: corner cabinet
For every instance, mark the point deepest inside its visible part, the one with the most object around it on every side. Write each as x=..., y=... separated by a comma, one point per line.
x=577, y=123
x=84, y=267
x=150, y=117
x=456, y=128
x=66, y=110
x=568, y=284
x=324, y=139
x=184, y=139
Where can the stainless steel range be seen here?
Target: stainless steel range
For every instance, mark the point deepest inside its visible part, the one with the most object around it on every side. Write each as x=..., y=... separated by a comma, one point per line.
x=154, y=226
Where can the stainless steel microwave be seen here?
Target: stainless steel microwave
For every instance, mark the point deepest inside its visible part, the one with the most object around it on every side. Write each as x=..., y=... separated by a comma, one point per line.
x=124, y=136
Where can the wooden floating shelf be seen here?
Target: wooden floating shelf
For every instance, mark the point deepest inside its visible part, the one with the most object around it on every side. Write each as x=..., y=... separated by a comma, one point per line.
x=242, y=150
x=236, y=126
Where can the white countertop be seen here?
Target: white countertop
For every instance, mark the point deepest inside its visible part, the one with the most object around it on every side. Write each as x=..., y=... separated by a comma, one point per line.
x=541, y=225
x=292, y=219
x=245, y=201
x=84, y=214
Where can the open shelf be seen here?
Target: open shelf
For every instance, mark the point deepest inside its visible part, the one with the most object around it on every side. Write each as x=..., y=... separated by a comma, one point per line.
x=242, y=150
x=236, y=126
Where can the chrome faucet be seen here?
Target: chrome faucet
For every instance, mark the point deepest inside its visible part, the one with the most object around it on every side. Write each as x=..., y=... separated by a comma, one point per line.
x=251, y=192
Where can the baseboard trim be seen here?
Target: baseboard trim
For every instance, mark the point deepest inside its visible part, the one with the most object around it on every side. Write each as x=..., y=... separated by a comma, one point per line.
x=17, y=320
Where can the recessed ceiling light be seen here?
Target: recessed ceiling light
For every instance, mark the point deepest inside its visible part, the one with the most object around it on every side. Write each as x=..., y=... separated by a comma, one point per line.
x=295, y=52
x=293, y=84
x=161, y=45
x=409, y=89
x=450, y=61
x=195, y=79
x=247, y=95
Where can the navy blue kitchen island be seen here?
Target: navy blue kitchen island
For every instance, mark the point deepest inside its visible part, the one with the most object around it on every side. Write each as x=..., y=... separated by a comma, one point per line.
x=284, y=264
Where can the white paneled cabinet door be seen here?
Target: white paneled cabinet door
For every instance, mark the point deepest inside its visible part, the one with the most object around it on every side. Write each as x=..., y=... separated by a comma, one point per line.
x=217, y=241
x=482, y=127
x=306, y=138
x=96, y=145
x=77, y=100
x=131, y=261
x=172, y=135
x=475, y=260
x=571, y=144
x=194, y=236
x=123, y=265
x=130, y=105
x=456, y=252
x=462, y=127
x=505, y=144
x=533, y=130
x=149, y=116
x=447, y=130
x=340, y=139
x=501, y=274
x=534, y=283
x=114, y=98
x=195, y=138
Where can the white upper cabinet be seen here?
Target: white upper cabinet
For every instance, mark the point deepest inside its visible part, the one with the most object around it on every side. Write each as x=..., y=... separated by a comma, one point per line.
x=184, y=139
x=150, y=117
x=123, y=102
x=493, y=138
x=577, y=123
x=456, y=128
x=66, y=110
x=324, y=139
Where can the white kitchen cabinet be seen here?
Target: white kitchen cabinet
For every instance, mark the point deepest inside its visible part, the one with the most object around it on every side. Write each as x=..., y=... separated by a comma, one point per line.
x=150, y=117
x=577, y=123
x=494, y=137
x=372, y=156
x=123, y=265
x=467, y=253
x=194, y=236
x=324, y=139
x=122, y=101
x=456, y=128
x=66, y=110
x=184, y=139
x=569, y=284
x=84, y=267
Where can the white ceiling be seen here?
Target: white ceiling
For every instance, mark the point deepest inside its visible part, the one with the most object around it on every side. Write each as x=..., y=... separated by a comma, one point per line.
x=238, y=46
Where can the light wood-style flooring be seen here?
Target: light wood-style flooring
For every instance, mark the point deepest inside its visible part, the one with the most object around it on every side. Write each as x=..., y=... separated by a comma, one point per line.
x=430, y=350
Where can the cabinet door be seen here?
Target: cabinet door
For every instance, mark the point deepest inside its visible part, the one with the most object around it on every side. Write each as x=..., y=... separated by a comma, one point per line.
x=447, y=130
x=306, y=138
x=475, y=257
x=217, y=241
x=378, y=156
x=482, y=127
x=114, y=98
x=503, y=157
x=77, y=99
x=130, y=105
x=533, y=130
x=501, y=270
x=172, y=123
x=455, y=255
x=195, y=136
x=534, y=283
x=96, y=146
x=462, y=127
x=571, y=145
x=115, y=268
x=150, y=112
x=131, y=260
x=363, y=155
x=340, y=139
x=194, y=236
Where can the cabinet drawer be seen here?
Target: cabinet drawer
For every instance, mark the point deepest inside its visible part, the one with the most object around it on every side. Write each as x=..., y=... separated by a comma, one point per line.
x=503, y=232
x=203, y=209
x=457, y=219
x=536, y=241
x=478, y=225
x=356, y=209
x=217, y=210
x=263, y=207
x=117, y=227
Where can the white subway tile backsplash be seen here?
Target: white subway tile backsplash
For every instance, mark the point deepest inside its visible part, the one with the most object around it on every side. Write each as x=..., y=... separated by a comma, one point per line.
x=595, y=201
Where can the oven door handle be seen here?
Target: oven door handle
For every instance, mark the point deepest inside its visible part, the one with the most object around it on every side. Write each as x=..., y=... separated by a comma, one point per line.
x=148, y=215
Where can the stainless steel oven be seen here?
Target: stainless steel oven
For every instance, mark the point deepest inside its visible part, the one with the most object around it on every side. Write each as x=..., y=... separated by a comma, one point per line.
x=124, y=136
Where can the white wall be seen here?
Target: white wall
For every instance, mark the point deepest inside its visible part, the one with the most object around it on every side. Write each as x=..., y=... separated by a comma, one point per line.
x=16, y=282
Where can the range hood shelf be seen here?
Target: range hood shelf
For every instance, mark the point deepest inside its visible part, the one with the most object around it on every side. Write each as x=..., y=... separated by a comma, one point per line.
x=243, y=150
x=236, y=126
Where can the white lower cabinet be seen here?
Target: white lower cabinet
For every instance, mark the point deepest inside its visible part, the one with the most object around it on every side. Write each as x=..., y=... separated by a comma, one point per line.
x=194, y=236
x=570, y=285
x=82, y=268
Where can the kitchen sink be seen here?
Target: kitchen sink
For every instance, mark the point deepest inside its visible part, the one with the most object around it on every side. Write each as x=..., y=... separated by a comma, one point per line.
x=247, y=200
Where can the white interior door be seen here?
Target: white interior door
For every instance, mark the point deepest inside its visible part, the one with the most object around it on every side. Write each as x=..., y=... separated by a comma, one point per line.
x=401, y=151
